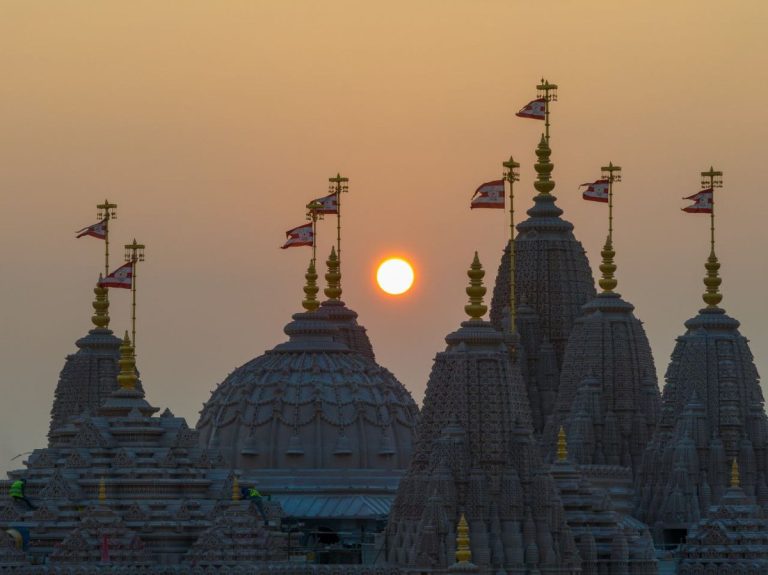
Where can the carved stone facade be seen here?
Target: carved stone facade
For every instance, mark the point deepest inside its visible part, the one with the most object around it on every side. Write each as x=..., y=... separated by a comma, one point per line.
x=553, y=281
x=608, y=401
x=608, y=541
x=476, y=455
x=712, y=412
x=123, y=486
x=731, y=540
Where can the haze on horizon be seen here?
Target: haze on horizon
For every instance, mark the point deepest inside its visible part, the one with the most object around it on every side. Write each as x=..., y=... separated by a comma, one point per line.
x=212, y=124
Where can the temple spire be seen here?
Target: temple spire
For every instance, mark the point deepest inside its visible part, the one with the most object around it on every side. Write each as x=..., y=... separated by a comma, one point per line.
x=102, y=491
x=735, y=478
x=134, y=253
x=476, y=290
x=463, y=552
x=562, y=445
x=127, y=377
x=333, y=277
x=100, y=317
x=608, y=282
x=511, y=175
x=310, y=302
x=236, y=495
x=710, y=180
x=107, y=211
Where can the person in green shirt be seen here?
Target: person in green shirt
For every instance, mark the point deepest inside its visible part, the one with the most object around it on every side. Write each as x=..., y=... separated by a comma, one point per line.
x=17, y=492
x=255, y=496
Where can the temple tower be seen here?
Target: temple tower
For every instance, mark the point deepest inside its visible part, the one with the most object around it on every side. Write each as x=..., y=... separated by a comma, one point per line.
x=553, y=281
x=476, y=456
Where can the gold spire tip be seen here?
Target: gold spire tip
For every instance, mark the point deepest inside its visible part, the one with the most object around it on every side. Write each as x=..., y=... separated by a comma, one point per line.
x=476, y=290
x=608, y=282
x=463, y=553
x=126, y=379
x=562, y=445
x=333, y=276
x=735, y=477
x=100, y=318
x=310, y=302
x=712, y=281
x=544, y=183
x=236, y=495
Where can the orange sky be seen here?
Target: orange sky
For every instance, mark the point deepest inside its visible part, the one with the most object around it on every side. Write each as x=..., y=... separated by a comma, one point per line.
x=211, y=124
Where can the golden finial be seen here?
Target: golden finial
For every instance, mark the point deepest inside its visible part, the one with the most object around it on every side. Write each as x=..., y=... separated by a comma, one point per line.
x=544, y=183
x=310, y=302
x=100, y=305
x=333, y=276
x=608, y=282
x=102, y=491
x=476, y=290
x=562, y=445
x=735, y=479
x=463, y=554
x=236, y=495
x=127, y=376
x=712, y=296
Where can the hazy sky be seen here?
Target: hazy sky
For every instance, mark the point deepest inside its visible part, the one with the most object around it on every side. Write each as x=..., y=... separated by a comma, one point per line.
x=211, y=124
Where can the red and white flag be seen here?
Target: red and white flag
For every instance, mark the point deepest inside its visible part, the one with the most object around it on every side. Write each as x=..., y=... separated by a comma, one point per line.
x=535, y=109
x=300, y=236
x=98, y=230
x=596, y=191
x=489, y=195
x=328, y=204
x=122, y=277
x=702, y=202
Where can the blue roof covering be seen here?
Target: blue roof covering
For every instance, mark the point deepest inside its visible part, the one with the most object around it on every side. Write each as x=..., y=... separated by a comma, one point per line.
x=310, y=506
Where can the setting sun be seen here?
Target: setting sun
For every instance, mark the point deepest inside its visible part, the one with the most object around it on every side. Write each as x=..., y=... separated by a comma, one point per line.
x=395, y=276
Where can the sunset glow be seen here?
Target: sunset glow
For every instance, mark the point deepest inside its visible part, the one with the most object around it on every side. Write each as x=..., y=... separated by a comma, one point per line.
x=395, y=276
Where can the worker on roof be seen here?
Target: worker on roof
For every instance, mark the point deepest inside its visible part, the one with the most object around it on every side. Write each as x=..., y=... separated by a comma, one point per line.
x=254, y=495
x=17, y=492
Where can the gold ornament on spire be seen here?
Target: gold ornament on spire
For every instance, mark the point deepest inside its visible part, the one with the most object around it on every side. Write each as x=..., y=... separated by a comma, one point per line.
x=562, y=445
x=608, y=282
x=107, y=211
x=102, y=491
x=544, y=183
x=735, y=478
x=127, y=376
x=310, y=302
x=712, y=281
x=476, y=290
x=548, y=92
x=337, y=185
x=134, y=253
x=333, y=276
x=463, y=553
x=100, y=318
x=236, y=495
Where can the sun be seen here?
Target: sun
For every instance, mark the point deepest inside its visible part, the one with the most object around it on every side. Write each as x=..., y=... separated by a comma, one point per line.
x=395, y=276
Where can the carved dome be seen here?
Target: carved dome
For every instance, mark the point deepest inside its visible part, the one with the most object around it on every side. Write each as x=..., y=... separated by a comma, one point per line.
x=312, y=402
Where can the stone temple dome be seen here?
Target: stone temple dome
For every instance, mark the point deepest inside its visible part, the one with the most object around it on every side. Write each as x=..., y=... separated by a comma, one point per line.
x=317, y=401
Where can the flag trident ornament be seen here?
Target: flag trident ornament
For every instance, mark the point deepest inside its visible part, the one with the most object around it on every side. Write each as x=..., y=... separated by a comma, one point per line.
x=710, y=180
x=608, y=282
x=337, y=185
x=511, y=175
x=134, y=253
x=107, y=211
x=547, y=92
x=314, y=213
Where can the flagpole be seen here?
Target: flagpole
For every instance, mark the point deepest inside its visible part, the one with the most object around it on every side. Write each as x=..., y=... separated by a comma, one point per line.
x=511, y=175
x=106, y=213
x=610, y=172
x=544, y=92
x=313, y=216
x=338, y=185
x=712, y=179
x=134, y=253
